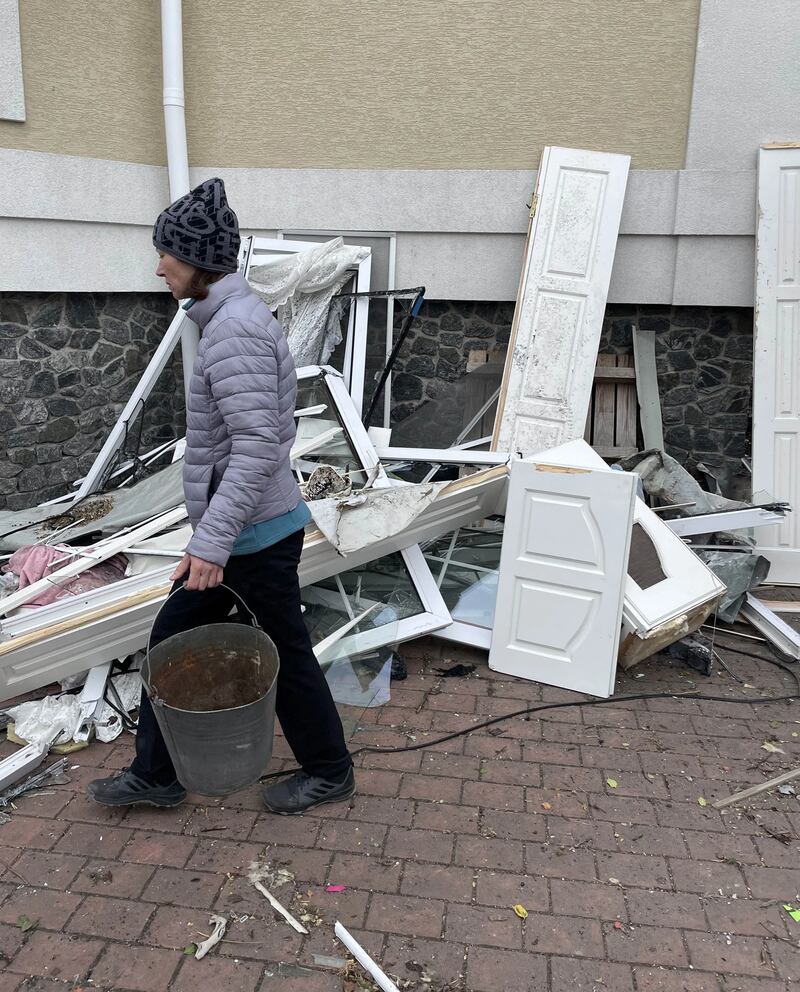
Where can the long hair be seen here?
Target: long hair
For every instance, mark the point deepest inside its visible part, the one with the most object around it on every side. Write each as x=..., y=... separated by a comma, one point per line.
x=201, y=280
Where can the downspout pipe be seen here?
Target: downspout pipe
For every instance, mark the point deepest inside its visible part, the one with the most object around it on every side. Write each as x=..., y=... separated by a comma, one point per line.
x=177, y=153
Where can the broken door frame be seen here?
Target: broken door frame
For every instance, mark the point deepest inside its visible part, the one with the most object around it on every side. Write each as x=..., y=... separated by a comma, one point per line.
x=776, y=353
x=572, y=237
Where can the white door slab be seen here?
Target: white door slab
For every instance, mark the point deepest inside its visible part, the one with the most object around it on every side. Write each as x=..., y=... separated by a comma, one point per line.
x=570, y=249
x=562, y=576
x=776, y=362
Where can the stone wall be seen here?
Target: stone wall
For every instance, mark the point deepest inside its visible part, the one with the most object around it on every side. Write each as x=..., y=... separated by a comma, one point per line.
x=704, y=360
x=68, y=363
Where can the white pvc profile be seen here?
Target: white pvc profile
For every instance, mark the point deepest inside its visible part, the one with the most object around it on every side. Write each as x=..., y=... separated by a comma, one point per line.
x=708, y=523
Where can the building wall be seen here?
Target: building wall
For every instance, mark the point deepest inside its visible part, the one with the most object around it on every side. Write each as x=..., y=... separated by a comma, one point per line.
x=441, y=84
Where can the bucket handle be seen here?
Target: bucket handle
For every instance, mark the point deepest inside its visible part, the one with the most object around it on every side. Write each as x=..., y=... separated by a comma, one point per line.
x=257, y=626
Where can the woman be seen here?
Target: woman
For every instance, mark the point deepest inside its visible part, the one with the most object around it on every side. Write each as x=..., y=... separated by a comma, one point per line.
x=244, y=505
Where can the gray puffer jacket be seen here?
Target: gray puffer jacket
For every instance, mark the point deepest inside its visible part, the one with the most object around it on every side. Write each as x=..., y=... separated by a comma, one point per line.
x=240, y=423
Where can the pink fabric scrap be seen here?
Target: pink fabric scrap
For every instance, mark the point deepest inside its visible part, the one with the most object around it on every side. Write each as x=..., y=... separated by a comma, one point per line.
x=36, y=561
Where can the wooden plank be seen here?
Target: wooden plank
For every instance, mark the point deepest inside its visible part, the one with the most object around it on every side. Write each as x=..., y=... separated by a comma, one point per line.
x=610, y=451
x=757, y=790
x=604, y=400
x=644, y=355
x=621, y=374
x=627, y=407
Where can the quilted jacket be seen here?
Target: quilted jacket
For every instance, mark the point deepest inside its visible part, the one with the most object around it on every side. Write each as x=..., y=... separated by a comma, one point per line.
x=240, y=423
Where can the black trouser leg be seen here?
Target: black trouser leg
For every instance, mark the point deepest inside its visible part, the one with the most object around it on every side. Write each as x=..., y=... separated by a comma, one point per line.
x=268, y=583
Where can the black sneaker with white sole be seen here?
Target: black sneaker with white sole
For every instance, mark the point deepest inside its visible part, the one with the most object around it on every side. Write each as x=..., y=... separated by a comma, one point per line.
x=127, y=789
x=300, y=792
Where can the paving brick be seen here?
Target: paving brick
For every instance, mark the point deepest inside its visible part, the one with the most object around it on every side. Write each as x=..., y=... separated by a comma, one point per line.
x=681, y=744
x=11, y=939
x=51, y=909
x=222, y=855
x=306, y=866
x=494, y=747
x=363, y=838
x=56, y=955
x=299, y=831
x=745, y=916
x=514, y=826
x=408, y=958
x=141, y=969
x=398, y=716
x=113, y=878
x=483, y=852
x=560, y=803
x=509, y=888
x=114, y=919
x=568, y=777
x=450, y=765
x=674, y=980
x=446, y=816
x=589, y=976
x=672, y=909
x=408, y=761
x=488, y=971
x=669, y=763
x=367, y=872
x=173, y=927
x=378, y=782
x=494, y=796
x=83, y=809
x=430, y=787
x=595, y=901
x=148, y=818
x=47, y=869
x=786, y=959
x=775, y=854
x=742, y=956
x=646, y=945
x=46, y=804
x=10, y=983
x=419, y=845
x=159, y=849
x=375, y=809
x=221, y=821
x=565, y=832
x=446, y=882
x=563, y=935
x=610, y=760
x=707, y=878
x=510, y=772
x=31, y=831
x=311, y=981
x=94, y=840
x=773, y=883
x=622, y=809
x=689, y=816
x=184, y=887
x=493, y=927
x=643, y=839
x=716, y=847
x=634, y=869
x=349, y=906
x=560, y=862
x=445, y=702
x=406, y=915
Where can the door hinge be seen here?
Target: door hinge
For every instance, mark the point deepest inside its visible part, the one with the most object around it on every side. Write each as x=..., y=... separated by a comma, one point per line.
x=534, y=204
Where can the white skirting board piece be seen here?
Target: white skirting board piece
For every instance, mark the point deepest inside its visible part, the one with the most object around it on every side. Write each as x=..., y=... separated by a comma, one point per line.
x=775, y=629
x=562, y=575
x=710, y=523
x=572, y=238
x=776, y=360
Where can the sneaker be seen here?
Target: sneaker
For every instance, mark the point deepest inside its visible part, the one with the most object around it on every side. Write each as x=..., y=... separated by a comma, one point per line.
x=127, y=789
x=300, y=792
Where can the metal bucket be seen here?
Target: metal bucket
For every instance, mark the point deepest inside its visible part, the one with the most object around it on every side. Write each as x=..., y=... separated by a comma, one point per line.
x=213, y=693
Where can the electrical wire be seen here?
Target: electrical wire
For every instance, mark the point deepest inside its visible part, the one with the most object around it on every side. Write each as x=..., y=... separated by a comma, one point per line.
x=611, y=701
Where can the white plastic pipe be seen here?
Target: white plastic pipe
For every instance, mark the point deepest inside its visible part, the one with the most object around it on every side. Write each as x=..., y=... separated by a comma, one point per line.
x=177, y=153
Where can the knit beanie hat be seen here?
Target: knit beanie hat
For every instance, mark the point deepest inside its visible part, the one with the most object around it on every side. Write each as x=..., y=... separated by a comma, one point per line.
x=201, y=229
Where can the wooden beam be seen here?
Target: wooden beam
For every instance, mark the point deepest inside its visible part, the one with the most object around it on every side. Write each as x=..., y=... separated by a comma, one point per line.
x=756, y=790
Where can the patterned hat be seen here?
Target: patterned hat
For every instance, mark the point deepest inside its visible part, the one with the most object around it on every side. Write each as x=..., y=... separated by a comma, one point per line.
x=200, y=228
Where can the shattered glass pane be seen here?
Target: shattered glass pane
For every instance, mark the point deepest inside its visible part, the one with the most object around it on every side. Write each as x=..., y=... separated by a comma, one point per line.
x=465, y=564
x=357, y=665
x=335, y=450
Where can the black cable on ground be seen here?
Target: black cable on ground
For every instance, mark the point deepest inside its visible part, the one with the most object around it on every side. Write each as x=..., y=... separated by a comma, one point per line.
x=611, y=701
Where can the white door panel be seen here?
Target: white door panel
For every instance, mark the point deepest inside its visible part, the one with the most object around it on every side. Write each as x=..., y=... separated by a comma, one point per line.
x=776, y=364
x=561, y=301
x=562, y=575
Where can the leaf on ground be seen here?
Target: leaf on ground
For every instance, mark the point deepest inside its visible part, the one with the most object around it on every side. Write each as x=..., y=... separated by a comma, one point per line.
x=772, y=748
x=521, y=912
x=190, y=949
x=26, y=924
x=701, y=801
x=612, y=783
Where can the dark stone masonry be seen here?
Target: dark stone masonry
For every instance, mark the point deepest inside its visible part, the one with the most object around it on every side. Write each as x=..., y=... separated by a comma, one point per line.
x=68, y=363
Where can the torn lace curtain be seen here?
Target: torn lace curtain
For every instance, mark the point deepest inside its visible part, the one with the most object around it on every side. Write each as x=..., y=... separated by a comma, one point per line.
x=301, y=288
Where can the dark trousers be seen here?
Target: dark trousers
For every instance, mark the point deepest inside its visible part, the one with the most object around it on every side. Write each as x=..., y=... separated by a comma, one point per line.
x=267, y=582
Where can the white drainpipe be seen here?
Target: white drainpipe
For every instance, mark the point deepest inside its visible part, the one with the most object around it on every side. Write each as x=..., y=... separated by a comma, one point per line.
x=177, y=154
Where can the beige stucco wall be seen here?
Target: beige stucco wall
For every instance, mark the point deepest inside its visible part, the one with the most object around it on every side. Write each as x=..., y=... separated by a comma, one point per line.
x=442, y=84
x=92, y=73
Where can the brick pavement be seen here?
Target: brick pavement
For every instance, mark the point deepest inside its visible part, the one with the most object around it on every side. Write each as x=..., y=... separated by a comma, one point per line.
x=635, y=887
